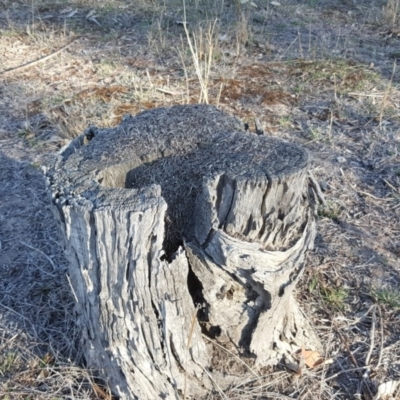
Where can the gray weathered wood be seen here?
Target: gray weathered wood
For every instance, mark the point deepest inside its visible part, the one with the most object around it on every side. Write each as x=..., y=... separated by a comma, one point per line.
x=180, y=225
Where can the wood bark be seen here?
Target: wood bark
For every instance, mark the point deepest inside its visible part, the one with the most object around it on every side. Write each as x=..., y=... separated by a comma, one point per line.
x=184, y=234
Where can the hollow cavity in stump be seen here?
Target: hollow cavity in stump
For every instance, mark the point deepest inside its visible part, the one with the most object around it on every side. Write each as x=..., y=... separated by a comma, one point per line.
x=183, y=229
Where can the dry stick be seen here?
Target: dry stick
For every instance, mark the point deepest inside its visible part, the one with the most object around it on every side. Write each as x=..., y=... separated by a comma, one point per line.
x=353, y=359
x=210, y=44
x=219, y=93
x=300, y=46
x=244, y=384
x=368, y=358
x=100, y=391
x=361, y=318
x=372, y=345
x=343, y=372
x=372, y=196
x=39, y=60
x=171, y=93
x=189, y=343
x=186, y=75
x=276, y=396
x=324, y=366
x=391, y=186
x=291, y=44
x=43, y=254
x=216, y=384
x=317, y=189
x=381, y=347
x=369, y=194
x=21, y=316
x=72, y=289
x=386, y=95
x=269, y=395
x=195, y=57
x=335, y=88
x=8, y=341
x=365, y=94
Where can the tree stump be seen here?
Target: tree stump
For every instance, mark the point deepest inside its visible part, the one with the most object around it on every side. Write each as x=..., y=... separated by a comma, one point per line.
x=185, y=235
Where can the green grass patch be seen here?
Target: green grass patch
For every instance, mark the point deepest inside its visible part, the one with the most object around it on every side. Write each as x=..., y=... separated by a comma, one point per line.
x=343, y=76
x=8, y=363
x=331, y=210
x=387, y=297
x=334, y=297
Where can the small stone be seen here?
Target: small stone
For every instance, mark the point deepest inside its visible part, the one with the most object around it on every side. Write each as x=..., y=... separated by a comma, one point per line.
x=324, y=186
x=340, y=160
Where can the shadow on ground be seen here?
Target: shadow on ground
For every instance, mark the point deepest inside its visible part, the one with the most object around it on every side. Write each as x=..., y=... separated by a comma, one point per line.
x=36, y=302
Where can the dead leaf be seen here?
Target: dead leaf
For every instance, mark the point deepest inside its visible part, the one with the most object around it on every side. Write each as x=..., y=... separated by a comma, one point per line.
x=311, y=358
x=100, y=392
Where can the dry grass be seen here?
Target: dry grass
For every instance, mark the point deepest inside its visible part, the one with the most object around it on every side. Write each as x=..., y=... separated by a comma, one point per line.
x=202, y=47
x=391, y=12
x=320, y=74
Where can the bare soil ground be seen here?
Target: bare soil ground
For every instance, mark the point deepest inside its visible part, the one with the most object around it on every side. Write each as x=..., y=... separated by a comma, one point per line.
x=319, y=73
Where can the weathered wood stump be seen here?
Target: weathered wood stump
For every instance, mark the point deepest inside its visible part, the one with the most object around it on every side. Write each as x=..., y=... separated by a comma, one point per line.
x=183, y=231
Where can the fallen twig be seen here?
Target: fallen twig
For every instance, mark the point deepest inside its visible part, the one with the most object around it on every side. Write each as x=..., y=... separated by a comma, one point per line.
x=381, y=346
x=39, y=60
x=171, y=93
x=329, y=378
x=372, y=345
x=371, y=195
x=216, y=384
x=353, y=359
x=43, y=254
x=391, y=186
x=317, y=189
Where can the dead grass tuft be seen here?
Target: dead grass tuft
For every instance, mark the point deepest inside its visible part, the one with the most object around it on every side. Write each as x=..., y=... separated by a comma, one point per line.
x=391, y=12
